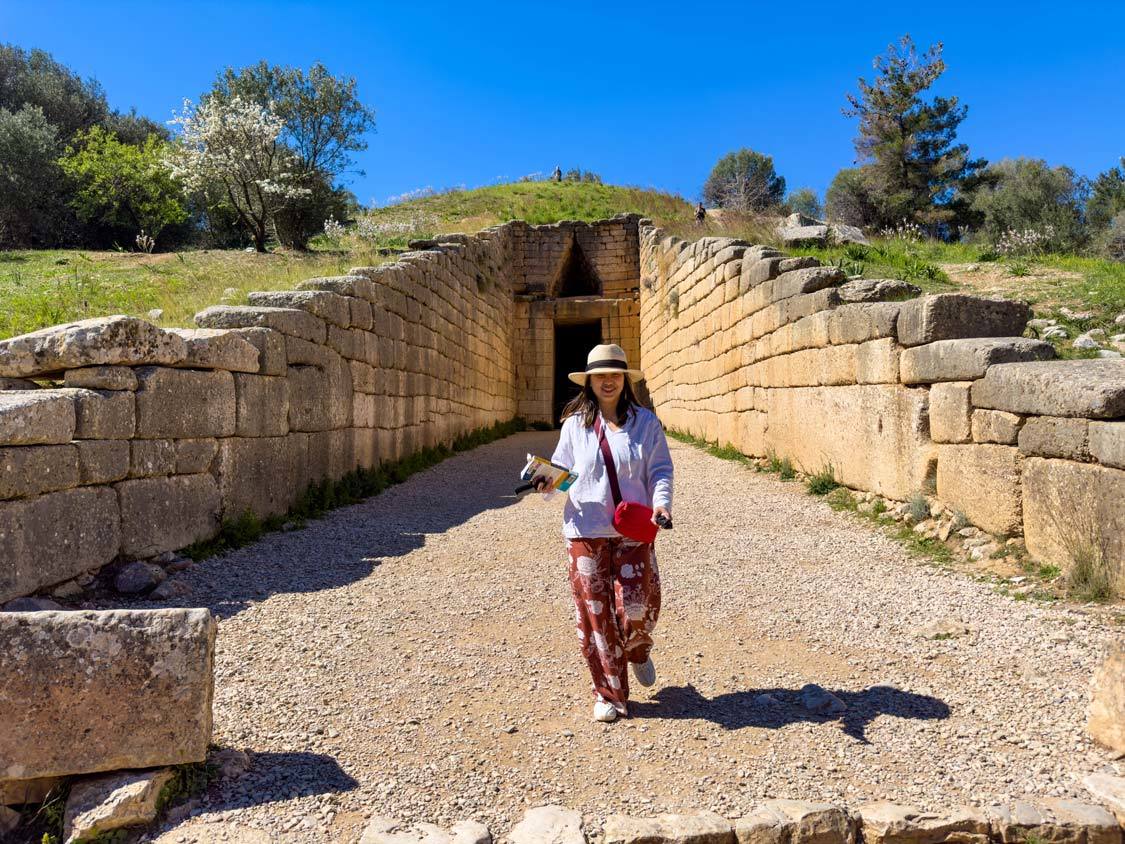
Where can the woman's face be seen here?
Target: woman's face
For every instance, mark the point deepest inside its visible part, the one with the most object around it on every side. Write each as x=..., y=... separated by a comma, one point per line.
x=607, y=386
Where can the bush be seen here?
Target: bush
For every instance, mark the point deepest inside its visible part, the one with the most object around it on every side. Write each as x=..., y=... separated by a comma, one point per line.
x=804, y=201
x=848, y=200
x=1025, y=195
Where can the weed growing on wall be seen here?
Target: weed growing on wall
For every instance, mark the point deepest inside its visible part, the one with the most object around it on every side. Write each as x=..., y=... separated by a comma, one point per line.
x=822, y=481
x=352, y=488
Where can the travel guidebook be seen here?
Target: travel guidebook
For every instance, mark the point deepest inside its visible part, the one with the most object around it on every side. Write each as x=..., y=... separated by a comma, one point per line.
x=559, y=476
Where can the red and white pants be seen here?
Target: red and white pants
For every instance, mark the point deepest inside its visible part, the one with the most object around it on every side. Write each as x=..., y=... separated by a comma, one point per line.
x=616, y=586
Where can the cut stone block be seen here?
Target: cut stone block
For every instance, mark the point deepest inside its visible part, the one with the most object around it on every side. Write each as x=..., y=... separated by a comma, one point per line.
x=548, y=825
x=698, y=828
x=320, y=303
x=102, y=461
x=270, y=345
x=983, y=482
x=1073, y=508
x=1110, y=790
x=1107, y=443
x=291, y=322
x=797, y=282
x=25, y=792
x=996, y=426
x=1054, y=436
x=98, y=805
x=17, y=384
x=262, y=406
x=36, y=417
x=1057, y=820
x=878, y=290
x=55, y=537
x=948, y=316
x=90, y=342
x=261, y=474
x=87, y=691
x=967, y=360
x=887, y=823
x=795, y=822
x=1106, y=723
x=194, y=456
x=215, y=348
x=104, y=414
x=166, y=514
x=29, y=470
x=184, y=403
x=1091, y=388
x=152, y=458
x=342, y=285
x=951, y=412
x=804, y=234
x=860, y=322
x=101, y=378
x=383, y=830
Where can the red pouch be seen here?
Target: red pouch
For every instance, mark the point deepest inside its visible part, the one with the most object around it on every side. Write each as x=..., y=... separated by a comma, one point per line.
x=630, y=519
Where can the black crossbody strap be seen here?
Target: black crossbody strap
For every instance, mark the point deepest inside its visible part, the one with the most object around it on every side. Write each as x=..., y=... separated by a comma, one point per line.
x=607, y=456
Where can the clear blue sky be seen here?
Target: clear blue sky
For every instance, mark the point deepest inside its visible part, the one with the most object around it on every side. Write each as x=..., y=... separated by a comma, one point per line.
x=647, y=93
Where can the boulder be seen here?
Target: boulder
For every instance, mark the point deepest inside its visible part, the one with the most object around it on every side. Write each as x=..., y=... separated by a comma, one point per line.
x=795, y=822
x=1106, y=723
x=101, y=378
x=967, y=359
x=1055, y=820
x=138, y=576
x=97, y=805
x=166, y=514
x=803, y=235
x=697, y=828
x=548, y=825
x=90, y=342
x=36, y=417
x=887, y=823
x=950, y=316
x=216, y=348
x=1091, y=388
x=288, y=321
x=383, y=830
x=85, y=691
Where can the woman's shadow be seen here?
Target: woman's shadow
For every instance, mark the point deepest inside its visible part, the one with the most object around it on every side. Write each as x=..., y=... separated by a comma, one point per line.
x=775, y=708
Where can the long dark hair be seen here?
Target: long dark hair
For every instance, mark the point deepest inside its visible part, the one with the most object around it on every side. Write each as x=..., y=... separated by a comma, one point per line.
x=585, y=404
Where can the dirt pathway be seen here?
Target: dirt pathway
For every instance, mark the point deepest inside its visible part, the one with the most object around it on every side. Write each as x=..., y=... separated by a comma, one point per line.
x=414, y=656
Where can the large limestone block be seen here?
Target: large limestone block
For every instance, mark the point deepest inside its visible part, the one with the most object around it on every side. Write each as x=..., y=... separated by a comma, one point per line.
x=152, y=458
x=1054, y=436
x=948, y=316
x=797, y=282
x=1106, y=723
x=1110, y=790
x=1053, y=819
x=877, y=362
x=996, y=426
x=102, y=461
x=875, y=436
x=352, y=284
x=262, y=405
x=87, y=691
x=101, y=378
x=308, y=398
x=968, y=359
x=261, y=474
x=55, y=537
x=795, y=822
x=195, y=456
x=216, y=348
x=36, y=417
x=384, y=830
x=166, y=514
x=860, y=322
x=878, y=290
x=175, y=403
x=888, y=823
x=270, y=345
x=98, y=805
x=548, y=825
x=1074, y=509
x=328, y=306
x=697, y=828
x=104, y=414
x=1091, y=388
x=291, y=322
x=27, y=470
x=983, y=482
x=951, y=412
x=1107, y=443
x=90, y=342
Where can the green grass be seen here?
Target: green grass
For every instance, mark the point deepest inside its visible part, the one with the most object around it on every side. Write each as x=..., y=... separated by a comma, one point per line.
x=823, y=481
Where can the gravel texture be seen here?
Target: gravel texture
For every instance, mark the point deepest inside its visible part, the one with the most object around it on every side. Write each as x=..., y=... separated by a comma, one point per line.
x=414, y=656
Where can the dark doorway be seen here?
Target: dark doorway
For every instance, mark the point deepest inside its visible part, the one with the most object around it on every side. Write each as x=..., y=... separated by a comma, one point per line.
x=577, y=277
x=573, y=343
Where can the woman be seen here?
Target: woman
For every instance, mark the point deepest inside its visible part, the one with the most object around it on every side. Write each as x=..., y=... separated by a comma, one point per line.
x=615, y=580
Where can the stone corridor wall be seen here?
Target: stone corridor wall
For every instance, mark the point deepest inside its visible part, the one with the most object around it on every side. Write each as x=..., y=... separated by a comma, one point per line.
x=896, y=392
x=122, y=440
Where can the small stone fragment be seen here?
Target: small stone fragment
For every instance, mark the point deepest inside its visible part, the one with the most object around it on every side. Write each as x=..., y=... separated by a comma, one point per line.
x=138, y=576
x=31, y=604
x=820, y=701
x=121, y=799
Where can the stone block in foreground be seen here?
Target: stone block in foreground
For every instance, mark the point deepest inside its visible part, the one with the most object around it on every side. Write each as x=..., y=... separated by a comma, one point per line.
x=114, y=801
x=383, y=830
x=548, y=825
x=948, y=316
x=968, y=359
x=108, y=340
x=796, y=822
x=89, y=691
x=1090, y=388
x=888, y=823
x=1055, y=820
x=698, y=828
x=1107, y=703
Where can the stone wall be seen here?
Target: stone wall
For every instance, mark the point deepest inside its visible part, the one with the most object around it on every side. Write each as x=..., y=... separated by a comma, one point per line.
x=122, y=440
x=897, y=393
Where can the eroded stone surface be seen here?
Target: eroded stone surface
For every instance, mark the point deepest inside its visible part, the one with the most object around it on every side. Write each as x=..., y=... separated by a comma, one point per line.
x=36, y=417
x=101, y=378
x=166, y=514
x=122, y=799
x=548, y=825
x=1107, y=700
x=1057, y=820
x=796, y=822
x=216, y=348
x=696, y=828
x=1090, y=388
x=89, y=342
x=288, y=321
x=383, y=830
x=949, y=316
x=967, y=359
x=888, y=823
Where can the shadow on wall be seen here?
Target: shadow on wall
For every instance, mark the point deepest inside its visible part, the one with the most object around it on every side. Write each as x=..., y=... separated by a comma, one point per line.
x=776, y=708
x=347, y=544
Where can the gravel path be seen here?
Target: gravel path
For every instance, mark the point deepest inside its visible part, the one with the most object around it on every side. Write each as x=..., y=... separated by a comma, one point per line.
x=414, y=656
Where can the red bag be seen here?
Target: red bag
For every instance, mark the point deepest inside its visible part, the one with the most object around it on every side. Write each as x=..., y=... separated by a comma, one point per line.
x=630, y=519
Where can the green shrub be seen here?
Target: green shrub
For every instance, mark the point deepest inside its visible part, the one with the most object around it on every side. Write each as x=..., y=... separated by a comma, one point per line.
x=822, y=481
x=785, y=469
x=919, y=507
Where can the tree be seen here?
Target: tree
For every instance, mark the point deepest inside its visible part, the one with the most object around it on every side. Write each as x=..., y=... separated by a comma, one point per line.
x=1024, y=194
x=804, y=201
x=744, y=181
x=235, y=146
x=120, y=185
x=914, y=171
x=1107, y=197
x=30, y=207
x=847, y=199
x=34, y=78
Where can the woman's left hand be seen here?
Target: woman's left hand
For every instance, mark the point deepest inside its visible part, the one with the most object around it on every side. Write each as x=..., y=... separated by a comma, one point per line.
x=660, y=511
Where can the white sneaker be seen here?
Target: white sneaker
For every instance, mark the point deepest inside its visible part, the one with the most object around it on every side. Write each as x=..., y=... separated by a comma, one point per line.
x=644, y=672
x=605, y=711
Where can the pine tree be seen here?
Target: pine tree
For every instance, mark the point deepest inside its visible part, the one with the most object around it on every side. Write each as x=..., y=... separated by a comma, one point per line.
x=912, y=168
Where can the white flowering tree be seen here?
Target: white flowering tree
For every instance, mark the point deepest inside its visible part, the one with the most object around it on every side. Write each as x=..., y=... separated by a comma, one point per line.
x=236, y=146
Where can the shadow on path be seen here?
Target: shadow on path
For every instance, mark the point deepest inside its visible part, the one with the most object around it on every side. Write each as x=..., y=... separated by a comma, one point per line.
x=775, y=708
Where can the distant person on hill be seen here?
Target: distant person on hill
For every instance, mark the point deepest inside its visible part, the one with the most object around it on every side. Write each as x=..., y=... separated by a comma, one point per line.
x=557, y=175
x=620, y=453
x=700, y=214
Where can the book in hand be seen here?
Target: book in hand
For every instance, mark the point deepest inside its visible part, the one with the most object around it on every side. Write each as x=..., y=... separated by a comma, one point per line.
x=559, y=478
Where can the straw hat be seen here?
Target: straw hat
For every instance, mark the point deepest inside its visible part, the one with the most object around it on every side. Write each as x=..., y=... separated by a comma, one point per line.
x=606, y=358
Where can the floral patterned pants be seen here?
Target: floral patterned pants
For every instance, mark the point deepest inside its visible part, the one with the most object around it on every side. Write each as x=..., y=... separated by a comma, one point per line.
x=616, y=585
